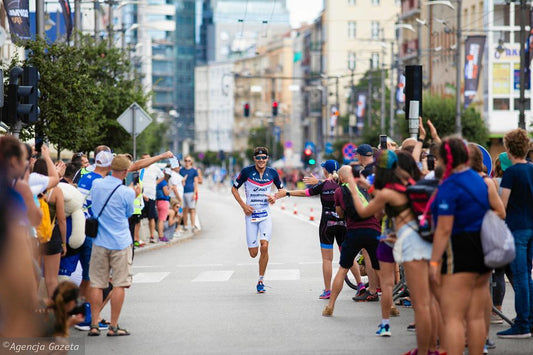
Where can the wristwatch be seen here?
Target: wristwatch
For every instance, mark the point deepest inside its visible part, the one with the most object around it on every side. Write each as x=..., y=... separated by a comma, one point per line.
x=288, y=194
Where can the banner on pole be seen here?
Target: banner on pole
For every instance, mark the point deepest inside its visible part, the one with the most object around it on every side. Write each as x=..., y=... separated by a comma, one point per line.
x=67, y=16
x=18, y=14
x=474, y=47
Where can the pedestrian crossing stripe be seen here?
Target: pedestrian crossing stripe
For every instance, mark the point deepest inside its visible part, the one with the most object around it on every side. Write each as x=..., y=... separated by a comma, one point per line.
x=149, y=277
x=214, y=276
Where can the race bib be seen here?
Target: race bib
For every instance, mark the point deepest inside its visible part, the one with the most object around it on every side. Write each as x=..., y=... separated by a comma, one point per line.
x=258, y=216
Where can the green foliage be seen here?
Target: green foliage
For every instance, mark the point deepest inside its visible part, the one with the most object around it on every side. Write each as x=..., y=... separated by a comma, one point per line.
x=258, y=138
x=441, y=112
x=150, y=140
x=84, y=89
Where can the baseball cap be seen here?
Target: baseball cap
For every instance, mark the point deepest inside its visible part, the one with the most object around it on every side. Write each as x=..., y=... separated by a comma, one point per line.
x=505, y=161
x=104, y=159
x=386, y=159
x=167, y=171
x=330, y=165
x=365, y=150
x=120, y=163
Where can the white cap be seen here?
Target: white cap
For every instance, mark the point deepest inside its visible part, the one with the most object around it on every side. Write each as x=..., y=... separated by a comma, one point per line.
x=174, y=163
x=104, y=159
x=167, y=171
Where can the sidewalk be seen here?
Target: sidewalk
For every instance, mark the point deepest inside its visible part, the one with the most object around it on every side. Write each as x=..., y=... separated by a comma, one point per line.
x=160, y=245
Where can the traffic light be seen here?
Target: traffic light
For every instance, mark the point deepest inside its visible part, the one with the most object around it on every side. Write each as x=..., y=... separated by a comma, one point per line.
x=247, y=110
x=274, y=108
x=23, y=95
x=309, y=158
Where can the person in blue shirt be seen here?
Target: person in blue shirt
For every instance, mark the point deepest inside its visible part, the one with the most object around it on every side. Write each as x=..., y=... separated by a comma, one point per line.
x=517, y=194
x=163, y=204
x=457, y=262
x=112, y=247
x=190, y=192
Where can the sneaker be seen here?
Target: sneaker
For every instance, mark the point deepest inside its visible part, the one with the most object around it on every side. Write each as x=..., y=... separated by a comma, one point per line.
x=325, y=295
x=103, y=326
x=195, y=229
x=83, y=326
x=360, y=288
x=513, y=333
x=152, y=240
x=495, y=319
x=164, y=239
x=141, y=243
x=490, y=344
x=360, y=295
x=260, y=287
x=367, y=297
x=136, y=244
x=411, y=328
x=485, y=350
x=384, y=330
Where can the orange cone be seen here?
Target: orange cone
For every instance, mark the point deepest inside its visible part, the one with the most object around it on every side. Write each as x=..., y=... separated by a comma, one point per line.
x=311, y=215
x=295, y=210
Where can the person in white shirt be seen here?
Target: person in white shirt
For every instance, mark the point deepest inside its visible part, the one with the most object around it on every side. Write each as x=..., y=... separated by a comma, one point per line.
x=152, y=175
x=176, y=182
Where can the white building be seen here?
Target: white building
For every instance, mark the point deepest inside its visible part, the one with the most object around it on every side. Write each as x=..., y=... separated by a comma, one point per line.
x=213, y=107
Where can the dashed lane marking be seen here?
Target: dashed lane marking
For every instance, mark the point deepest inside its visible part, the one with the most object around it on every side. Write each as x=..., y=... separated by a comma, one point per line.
x=149, y=277
x=214, y=276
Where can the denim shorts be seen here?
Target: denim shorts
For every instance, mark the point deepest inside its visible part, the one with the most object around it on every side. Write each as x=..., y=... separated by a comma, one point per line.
x=410, y=246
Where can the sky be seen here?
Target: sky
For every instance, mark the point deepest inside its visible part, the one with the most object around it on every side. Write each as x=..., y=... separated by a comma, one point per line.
x=303, y=11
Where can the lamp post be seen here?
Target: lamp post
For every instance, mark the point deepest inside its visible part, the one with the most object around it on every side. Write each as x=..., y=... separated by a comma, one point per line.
x=522, y=99
x=458, y=123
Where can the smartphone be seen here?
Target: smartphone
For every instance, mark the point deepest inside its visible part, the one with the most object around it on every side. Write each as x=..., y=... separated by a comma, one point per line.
x=38, y=144
x=382, y=142
x=431, y=162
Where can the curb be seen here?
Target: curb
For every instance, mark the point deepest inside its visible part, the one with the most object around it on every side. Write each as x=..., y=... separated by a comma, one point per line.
x=160, y=245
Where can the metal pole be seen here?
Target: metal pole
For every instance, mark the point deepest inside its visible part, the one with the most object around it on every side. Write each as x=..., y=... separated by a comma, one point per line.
x=110, y=34
x=353, y=106
x=134, y=131
x=369, y=103
x=58, y=27
x=96, y=20
x=382, y=111
x=391, y=103
x=270, y=129
x=123, y=38
x=77, y=21
x=522, y=100
x=39, y=17
x=458, y=71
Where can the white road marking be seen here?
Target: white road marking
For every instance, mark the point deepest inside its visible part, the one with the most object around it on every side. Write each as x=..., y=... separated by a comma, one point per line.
x=214, y=276
x=282, y=274
x=199, y=265
x=149, y=277
x=144, y=266
x=310, y=262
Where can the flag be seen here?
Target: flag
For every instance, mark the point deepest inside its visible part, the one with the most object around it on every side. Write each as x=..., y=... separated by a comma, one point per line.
x=67, y=16
x=474, y=47
x=18, y=14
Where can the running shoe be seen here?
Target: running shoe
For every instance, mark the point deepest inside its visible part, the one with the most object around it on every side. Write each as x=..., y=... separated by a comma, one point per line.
x=325, y=295
x=372, y=297
x=485, y=350
x=84, y=327
x=490, y=344
x=513, y=333
x=384, y=330
x=152, y=240
x=164, y=239
x=411, y=328
x=260, y=287
x=360, y=295
x=136, y=244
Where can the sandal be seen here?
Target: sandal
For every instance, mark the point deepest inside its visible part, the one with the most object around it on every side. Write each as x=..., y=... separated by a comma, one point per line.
x=117, y=331
x=94, y=331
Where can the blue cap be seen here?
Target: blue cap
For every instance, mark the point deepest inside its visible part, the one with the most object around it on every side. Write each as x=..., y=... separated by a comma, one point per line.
x=365, y=150
x=330, y=165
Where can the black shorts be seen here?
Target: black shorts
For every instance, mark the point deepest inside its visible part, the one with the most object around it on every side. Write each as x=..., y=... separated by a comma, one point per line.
x=464, y=253
x=149, y=210
x=329, y=231
x=55, y=244
x=357, y=239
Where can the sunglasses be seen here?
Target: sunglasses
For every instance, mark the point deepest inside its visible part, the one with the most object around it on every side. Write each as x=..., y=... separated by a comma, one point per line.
x=187, y=160
x=261, y=157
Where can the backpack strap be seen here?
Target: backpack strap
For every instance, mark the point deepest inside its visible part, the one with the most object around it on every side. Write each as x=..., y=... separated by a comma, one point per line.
x=49, y=194
x=396, y=187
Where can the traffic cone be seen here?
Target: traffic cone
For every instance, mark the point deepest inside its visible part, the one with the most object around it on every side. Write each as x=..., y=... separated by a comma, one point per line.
x=283, y=205
x=311, y=215
x=295, y=210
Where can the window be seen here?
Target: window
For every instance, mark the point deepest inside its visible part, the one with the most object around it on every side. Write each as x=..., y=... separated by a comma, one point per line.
x=351, y=29
x=374, y=61
x=375, y=2
x=351, y=60
x=375, y=29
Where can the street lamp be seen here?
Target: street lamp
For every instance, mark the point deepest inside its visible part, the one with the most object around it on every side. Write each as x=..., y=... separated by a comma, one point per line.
x=458, y=124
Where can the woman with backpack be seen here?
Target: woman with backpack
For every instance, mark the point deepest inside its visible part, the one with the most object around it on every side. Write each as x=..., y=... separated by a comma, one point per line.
x=332, y=228
x=409, y=248
x=53, y=231
x=457, y=264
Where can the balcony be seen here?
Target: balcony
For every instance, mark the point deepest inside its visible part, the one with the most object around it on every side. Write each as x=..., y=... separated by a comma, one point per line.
x=409, y=8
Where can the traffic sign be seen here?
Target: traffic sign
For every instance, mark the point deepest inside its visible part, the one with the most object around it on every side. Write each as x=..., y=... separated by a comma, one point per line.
x=348, y=151
x=329, y=148
x=487, y=159
x=134, y=119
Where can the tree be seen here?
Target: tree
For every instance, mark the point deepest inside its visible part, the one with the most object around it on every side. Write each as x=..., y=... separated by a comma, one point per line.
x=83, y=89
x=441, y=112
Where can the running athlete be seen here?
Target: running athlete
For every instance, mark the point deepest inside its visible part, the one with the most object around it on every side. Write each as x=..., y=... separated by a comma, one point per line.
x=332, y=227
x=258, y=180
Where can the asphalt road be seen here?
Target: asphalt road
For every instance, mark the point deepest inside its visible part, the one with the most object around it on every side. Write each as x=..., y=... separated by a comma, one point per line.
x=198, y=296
